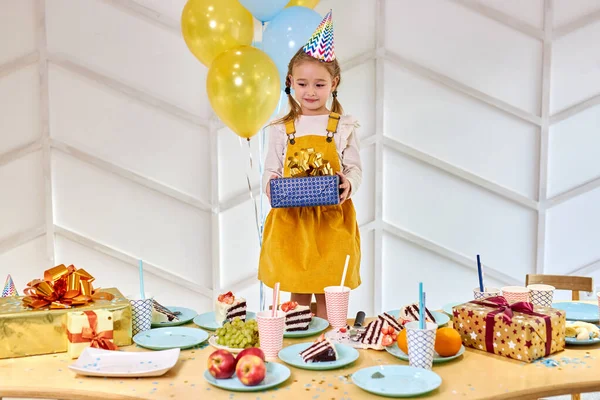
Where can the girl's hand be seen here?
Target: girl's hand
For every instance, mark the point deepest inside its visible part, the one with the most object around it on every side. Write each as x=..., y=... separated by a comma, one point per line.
x=345, y=186
x=269, y=186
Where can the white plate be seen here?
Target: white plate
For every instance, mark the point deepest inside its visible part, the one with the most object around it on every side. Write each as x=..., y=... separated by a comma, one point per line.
x=99, y=362
x=213, y=342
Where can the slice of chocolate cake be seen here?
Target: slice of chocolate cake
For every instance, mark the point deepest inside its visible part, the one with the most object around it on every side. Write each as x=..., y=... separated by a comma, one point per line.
x=229, y=307
x=162, y=314
x=391, y=321
x=411, y=313
x=297, y=317
x=379, y=332
x=320, y=351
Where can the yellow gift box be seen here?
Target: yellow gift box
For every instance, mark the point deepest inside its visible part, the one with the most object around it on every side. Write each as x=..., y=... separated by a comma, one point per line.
x=520, y=331
x=89, y=329
x=26, y=332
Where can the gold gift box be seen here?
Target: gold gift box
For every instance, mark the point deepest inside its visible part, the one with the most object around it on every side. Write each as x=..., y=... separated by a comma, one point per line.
x=27, y=332
x=523, y=336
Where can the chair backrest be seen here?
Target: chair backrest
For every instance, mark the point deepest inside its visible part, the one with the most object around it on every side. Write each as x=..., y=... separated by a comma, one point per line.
x=563, y=282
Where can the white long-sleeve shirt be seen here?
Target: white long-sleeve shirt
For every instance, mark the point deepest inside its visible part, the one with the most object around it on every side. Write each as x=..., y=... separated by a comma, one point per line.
x=346, y=141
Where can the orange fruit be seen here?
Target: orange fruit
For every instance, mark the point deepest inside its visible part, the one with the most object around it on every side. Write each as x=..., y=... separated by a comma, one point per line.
x=401, y=340
x=447, y=342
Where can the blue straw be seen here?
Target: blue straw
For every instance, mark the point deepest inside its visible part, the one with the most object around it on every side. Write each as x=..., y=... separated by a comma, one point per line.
x=142, y=292
x=480, y=273
x=421, y=306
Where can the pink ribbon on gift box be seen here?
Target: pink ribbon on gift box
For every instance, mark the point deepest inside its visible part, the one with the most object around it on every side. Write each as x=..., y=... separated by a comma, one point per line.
x=506, y=310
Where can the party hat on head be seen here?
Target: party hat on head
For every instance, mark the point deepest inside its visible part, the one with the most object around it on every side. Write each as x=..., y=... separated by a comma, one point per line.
x=320, y=45
x=9, y=288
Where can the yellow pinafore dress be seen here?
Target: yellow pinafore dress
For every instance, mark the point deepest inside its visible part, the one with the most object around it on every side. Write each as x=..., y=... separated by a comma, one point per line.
x=305, y=248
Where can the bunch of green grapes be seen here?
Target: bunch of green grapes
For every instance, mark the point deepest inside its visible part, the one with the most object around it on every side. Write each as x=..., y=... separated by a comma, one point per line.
x=238, y=334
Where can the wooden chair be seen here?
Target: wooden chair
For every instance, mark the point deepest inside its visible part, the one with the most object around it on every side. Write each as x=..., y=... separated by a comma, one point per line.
x=575, y=284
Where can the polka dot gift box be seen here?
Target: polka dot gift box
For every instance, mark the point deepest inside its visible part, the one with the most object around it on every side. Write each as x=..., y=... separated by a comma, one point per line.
x=520, y=331
x=305, y=192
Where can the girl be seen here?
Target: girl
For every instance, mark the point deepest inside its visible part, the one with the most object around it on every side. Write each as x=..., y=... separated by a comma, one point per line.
x=304, y=248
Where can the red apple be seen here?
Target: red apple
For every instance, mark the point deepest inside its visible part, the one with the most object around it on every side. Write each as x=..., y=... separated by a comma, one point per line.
x=251, y=370
x=252, y=350
x=221, y=364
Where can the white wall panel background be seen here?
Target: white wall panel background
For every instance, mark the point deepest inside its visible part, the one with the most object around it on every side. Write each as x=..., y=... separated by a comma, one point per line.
x=479, y=122
x=23, y=214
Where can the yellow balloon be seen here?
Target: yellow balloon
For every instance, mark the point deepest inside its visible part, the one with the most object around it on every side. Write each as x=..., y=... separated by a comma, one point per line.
x=243, y=88
x=210, y=27
x=303, y=3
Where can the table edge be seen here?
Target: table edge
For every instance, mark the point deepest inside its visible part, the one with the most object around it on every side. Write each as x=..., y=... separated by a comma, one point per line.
x=61, y=394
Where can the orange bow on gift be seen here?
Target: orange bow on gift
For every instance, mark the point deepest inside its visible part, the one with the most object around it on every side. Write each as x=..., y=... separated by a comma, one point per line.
x=99, y=340
x=62, y=287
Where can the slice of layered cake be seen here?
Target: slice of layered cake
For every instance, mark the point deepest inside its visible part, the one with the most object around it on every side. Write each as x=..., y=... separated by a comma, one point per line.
x=411, y=313
x=320, y=351
x=297, y=317
x=228, y=307
x=162, y=314
x=380, y=332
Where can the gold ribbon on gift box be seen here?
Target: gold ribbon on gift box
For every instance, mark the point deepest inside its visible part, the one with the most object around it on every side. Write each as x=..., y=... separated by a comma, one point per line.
x=62, y=287
x=308, y=162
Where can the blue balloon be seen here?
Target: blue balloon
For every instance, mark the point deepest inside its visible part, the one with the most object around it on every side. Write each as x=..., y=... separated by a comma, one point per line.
x=264, y=10
x=288, y=32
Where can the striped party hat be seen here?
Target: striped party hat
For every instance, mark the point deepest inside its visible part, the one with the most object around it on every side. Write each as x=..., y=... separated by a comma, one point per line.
x=320, y=44
x=9, y=288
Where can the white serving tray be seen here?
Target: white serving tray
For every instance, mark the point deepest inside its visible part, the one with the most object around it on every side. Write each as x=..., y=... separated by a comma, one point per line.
x=99, y=362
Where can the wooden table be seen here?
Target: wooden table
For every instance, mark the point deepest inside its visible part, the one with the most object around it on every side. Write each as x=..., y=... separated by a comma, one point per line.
x=475, y=375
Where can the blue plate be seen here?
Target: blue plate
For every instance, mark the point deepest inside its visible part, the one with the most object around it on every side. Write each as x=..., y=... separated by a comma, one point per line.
x=578, y=311
x=276, y=374
x=396, y=380
x=396, y=352
x=574, y=342
x=186, y=316
x=207, y=320
x=440, y=318
x=448, y=307
x=317, y=325
x=170, y=338
x=291, y=355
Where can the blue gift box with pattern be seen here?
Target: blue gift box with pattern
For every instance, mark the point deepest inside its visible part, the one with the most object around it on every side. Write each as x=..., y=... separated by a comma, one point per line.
x=307, y=191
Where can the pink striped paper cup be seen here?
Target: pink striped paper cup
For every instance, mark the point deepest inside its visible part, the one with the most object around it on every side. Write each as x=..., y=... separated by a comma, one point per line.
x=270, y=332
x=514, y=294
x=336, y=300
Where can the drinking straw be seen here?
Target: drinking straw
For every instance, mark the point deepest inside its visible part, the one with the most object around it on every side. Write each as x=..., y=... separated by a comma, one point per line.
x=275, y=296
x=421, y=307
x=424, y=308
x=345, y=270
x=480, y=273
x=142, y=291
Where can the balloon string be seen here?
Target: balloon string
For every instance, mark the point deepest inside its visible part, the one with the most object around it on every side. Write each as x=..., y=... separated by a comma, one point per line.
x=261, y=143
x=250, y=190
